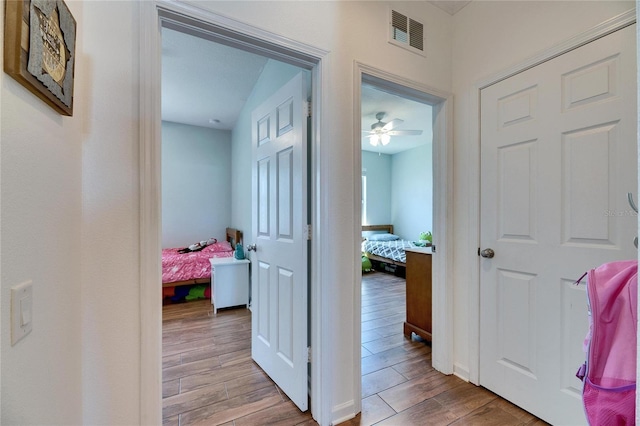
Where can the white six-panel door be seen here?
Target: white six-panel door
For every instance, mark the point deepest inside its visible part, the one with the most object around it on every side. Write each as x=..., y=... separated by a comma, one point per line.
x=558, y=156
x=279, y=263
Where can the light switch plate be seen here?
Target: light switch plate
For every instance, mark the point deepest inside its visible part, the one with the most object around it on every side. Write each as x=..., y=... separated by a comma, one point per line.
x=21, y=311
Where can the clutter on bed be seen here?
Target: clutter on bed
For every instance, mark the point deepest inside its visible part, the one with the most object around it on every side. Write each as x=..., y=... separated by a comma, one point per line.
x=198, y=246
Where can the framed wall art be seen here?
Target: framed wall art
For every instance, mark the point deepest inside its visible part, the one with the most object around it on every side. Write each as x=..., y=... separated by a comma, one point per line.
x=39, y=49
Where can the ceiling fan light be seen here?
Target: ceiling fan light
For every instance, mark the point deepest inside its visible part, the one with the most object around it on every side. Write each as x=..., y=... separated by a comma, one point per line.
x=384, y=139
x=374, y=140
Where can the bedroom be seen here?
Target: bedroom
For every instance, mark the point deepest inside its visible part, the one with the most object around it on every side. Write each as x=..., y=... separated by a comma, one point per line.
x=206, y=109
x=397, y=177
x=208, y=95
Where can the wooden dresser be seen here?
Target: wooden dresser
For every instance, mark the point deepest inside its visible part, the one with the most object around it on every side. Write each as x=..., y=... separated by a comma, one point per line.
x=418, y=293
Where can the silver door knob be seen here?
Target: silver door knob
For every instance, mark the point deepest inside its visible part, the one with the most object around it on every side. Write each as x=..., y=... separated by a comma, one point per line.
x=488, y=253
x=251, y=247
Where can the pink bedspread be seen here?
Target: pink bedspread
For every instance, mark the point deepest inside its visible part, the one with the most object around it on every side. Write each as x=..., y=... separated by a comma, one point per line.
x=189, y=266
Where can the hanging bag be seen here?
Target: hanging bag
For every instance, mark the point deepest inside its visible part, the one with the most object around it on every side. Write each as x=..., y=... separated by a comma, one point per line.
x=609, y=373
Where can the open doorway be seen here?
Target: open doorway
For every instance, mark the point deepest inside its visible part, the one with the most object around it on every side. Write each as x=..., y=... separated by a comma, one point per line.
x=438, y=357
x=209, y=91
x=397, y=225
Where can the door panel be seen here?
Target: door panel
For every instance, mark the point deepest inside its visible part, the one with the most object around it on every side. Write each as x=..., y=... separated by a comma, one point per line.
x=279, y=277
x=558, y=156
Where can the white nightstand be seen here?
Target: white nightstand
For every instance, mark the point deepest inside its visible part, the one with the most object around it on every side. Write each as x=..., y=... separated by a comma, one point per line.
x=229, y=282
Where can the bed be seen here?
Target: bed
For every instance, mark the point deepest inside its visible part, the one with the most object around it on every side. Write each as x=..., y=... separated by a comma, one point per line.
x=386, y=251
x=179, y=269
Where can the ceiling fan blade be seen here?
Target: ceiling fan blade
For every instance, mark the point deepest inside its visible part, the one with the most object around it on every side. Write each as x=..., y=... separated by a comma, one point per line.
x=404, y=132
x=392, y=124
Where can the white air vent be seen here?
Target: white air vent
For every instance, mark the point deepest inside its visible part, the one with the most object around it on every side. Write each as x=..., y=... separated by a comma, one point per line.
x=406, y=32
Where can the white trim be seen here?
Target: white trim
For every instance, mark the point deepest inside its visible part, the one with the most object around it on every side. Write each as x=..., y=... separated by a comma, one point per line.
x=150, y=225
x=460, y=372
x=357, y=238
x=343, y=412
x=607, y=27
x=442, y=294
x=321, y=379
x=169, y=13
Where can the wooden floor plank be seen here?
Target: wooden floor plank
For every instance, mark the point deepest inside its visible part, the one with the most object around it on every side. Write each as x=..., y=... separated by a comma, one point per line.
x=218, y=375
x=374, y=409
x=192, y=400
x=234, y=408
x=465, y=398
x=170, y=388
x=413, y=392
x=244, y=384
x=283, y=414
x=417, y=415
x=380, y=380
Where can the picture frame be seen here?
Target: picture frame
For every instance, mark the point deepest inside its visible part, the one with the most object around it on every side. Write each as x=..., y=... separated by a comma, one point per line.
x=39, y=50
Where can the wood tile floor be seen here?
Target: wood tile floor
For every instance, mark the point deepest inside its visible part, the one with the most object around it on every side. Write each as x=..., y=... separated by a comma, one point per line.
x=209, y=377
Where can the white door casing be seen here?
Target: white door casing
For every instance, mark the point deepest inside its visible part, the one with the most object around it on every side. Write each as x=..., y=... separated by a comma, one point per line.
x=558, y=155
x=442, y=103
x=279, y=319
x=153, y=16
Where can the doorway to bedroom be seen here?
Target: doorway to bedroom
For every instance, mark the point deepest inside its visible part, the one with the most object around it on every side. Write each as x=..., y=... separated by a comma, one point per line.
x=209, y=91
x=397, y=218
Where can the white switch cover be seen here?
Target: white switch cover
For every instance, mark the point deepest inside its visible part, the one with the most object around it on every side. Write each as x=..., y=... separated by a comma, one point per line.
x=21, y=311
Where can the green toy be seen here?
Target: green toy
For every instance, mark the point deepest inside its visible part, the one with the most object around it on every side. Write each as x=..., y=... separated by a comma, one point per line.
x=366, y=264
x=426, y=236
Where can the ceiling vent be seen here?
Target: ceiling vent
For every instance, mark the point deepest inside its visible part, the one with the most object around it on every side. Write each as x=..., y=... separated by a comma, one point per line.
x=406, y=32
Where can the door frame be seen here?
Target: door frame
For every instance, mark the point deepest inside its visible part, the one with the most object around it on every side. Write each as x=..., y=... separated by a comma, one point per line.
x=191, y=19
x=442, y=293
x=605, y=28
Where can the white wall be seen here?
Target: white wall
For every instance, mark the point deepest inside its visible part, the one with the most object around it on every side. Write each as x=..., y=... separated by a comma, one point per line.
x=412, y=192
x=196, y=184
x=110, y=215
x=488, y=37
x=400, y=190
x=274, y=75
x=378, y=169
x=41, y=211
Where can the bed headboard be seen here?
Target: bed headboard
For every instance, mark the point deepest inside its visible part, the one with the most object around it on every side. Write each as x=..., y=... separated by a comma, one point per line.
x=385, y=228
x=234, y=236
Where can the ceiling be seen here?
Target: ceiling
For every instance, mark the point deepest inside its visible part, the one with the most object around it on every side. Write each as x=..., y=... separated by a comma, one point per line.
x=206, y=84
x=203, y=81
x=416, y=116
x=451, y=6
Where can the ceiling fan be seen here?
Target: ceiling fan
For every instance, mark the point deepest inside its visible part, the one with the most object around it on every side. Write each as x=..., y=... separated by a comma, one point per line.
x=381, y=132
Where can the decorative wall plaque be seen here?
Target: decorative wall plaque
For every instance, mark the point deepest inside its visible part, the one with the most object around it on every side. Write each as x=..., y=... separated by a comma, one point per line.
x=39, y=49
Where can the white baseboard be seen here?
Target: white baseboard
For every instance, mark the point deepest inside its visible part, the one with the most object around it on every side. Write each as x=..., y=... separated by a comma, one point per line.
x=343, y=412
x=461, y=372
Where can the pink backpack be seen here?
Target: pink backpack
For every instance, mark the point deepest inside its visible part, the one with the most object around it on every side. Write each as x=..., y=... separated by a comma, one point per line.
x=609, y=373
